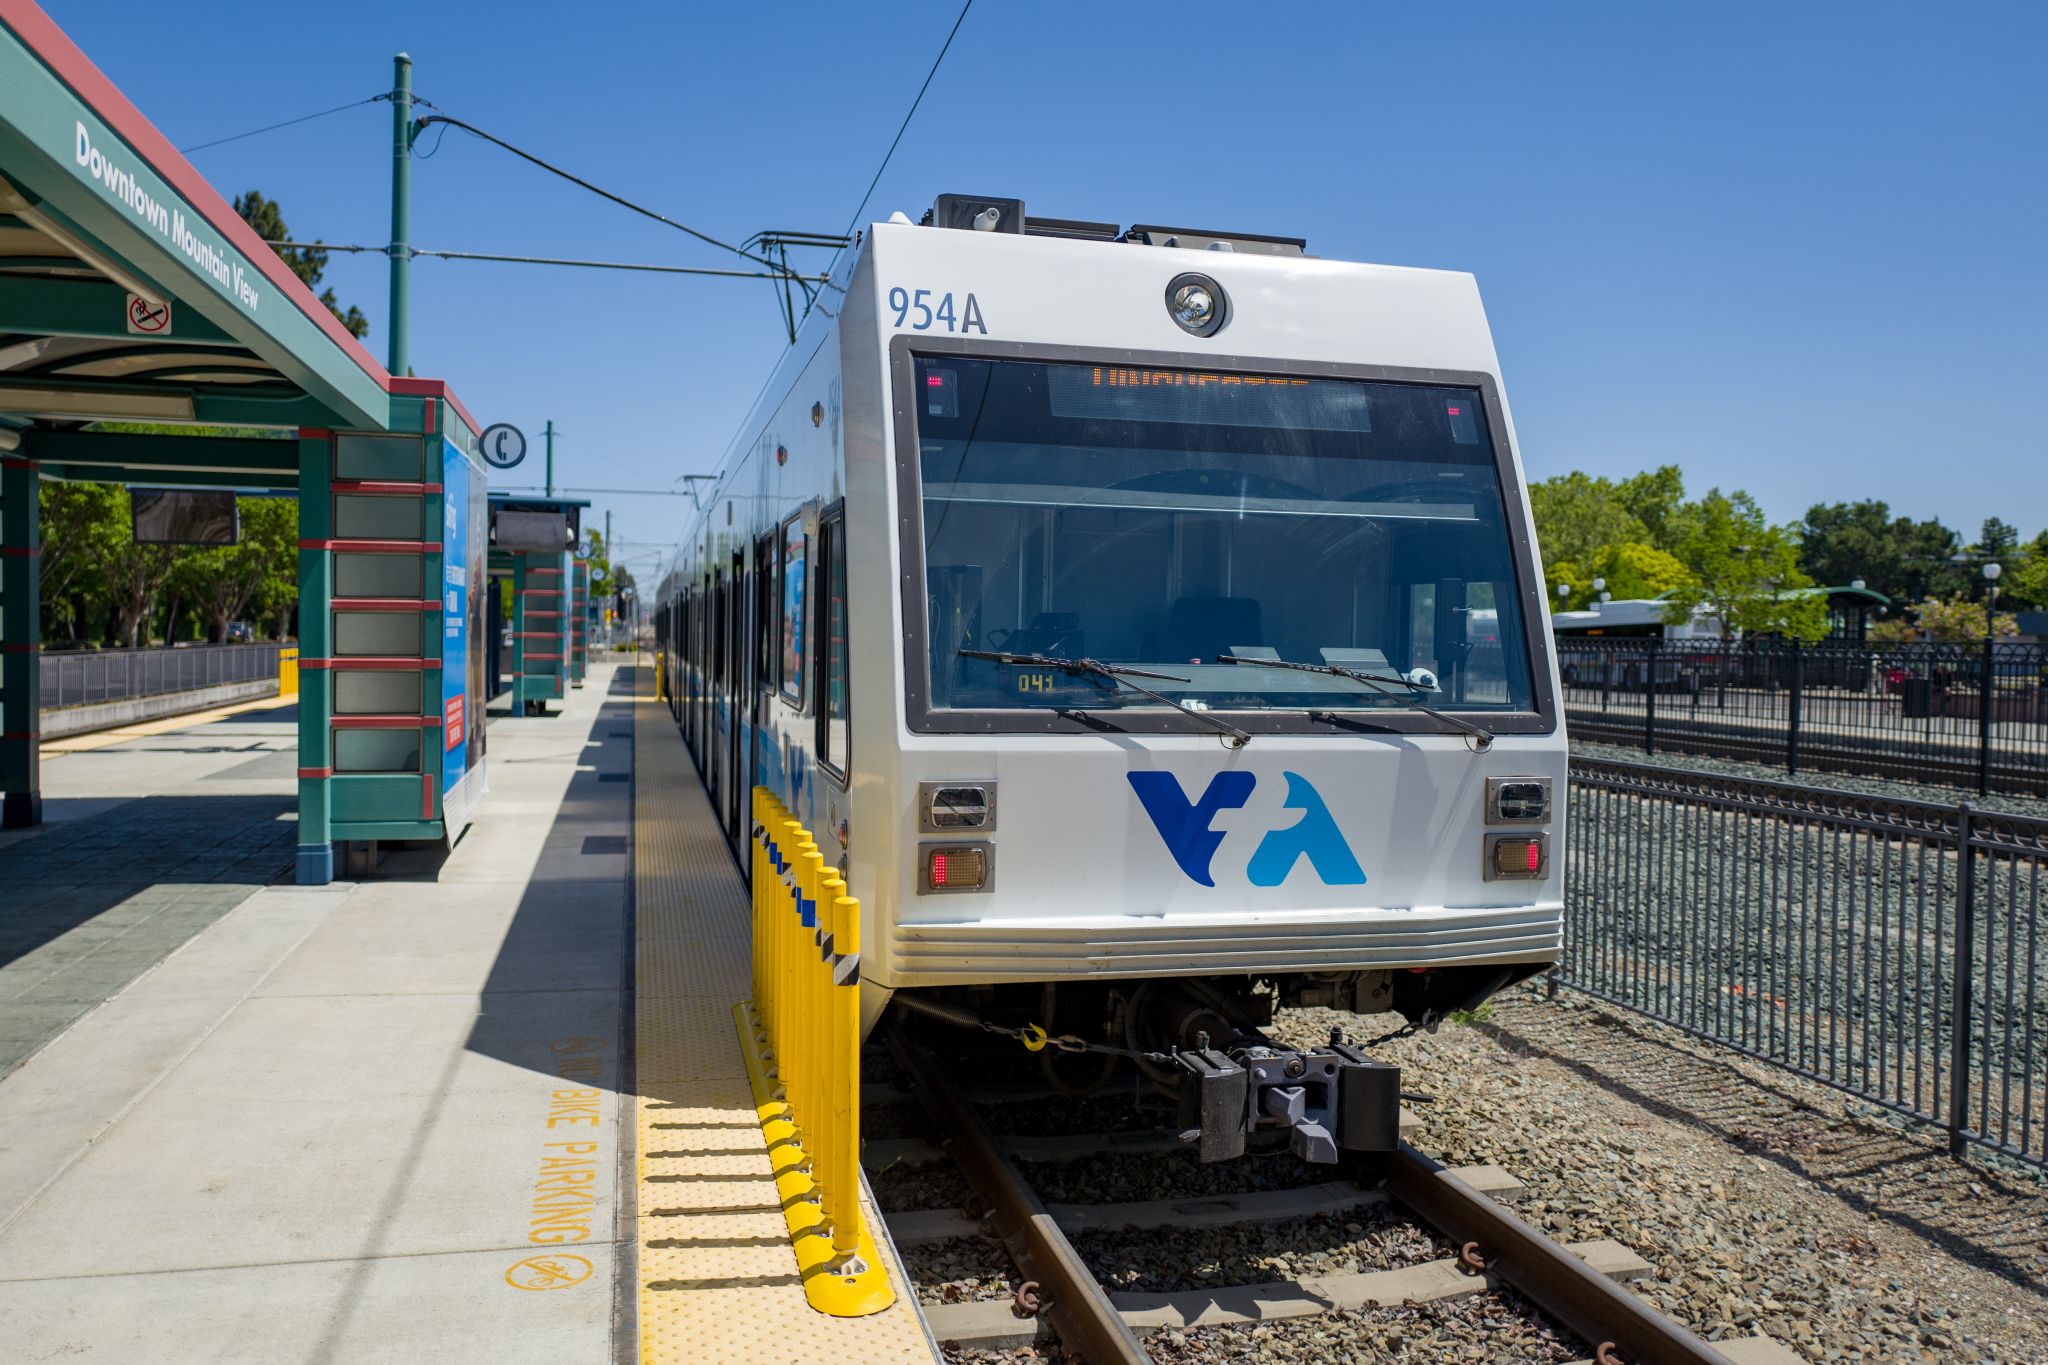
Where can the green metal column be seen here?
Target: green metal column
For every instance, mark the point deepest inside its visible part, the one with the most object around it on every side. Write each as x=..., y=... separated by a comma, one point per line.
x=400, y=250
x=519, y=629
x=21, y=635
x=316, y=657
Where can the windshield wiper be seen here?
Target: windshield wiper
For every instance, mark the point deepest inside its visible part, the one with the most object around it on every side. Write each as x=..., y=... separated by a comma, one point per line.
x=1117, y=675
x=1384, y=686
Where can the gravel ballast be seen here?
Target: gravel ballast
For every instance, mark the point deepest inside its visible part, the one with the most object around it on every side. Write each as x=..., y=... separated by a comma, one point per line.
x=1765, y=1204
x=1940, y=794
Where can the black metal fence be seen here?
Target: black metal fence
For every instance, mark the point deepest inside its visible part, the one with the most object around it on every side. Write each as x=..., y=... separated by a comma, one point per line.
x=1893, y=949
x=83, y=677
x=1972, y=715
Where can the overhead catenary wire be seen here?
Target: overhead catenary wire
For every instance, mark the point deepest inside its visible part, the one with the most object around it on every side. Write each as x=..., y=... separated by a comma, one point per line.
x=551, y=260
x=597, y=190
x=273, y=127
x=903, y=127
x=812, y=299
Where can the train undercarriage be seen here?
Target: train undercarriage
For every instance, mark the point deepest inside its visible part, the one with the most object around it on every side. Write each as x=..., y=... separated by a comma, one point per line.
x=1204, y=1042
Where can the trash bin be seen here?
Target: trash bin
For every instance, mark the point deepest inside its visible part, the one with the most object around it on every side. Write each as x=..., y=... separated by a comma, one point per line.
x=1918, y=695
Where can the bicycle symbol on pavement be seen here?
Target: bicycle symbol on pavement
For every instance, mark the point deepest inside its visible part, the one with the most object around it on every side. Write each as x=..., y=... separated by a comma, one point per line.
x=549, y=1272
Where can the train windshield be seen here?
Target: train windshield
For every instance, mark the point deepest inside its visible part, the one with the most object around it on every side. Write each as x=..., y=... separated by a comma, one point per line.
x=1163, y=519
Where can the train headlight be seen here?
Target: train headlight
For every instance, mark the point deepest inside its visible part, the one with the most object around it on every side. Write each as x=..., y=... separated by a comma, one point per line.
x=1517, y=857
x=955, y=867
x=1517, y=800
x=956, y=807
x=1196, y=303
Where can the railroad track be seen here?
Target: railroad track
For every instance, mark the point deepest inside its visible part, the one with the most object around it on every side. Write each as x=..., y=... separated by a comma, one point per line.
x=1578, y=1286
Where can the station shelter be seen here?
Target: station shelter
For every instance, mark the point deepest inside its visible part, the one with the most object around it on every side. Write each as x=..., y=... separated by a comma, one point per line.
x=131, y=293
x=579, y=625
x=533, y=563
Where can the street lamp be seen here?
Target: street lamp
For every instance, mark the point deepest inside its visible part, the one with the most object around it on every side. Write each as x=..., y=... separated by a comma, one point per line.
x=1991, y=573
x=1600, y=589
x=1564, y=592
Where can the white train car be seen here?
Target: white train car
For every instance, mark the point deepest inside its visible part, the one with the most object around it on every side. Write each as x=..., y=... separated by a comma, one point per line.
x=1106, y=602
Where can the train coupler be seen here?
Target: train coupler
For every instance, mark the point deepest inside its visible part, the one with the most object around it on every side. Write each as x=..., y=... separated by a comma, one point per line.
x=1329, y=1100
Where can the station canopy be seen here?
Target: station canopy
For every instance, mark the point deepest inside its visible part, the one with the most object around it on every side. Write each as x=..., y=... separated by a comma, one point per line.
x=130, y=291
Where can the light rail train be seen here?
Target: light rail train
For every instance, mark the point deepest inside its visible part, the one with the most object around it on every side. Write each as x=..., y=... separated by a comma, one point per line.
x=1149, y=623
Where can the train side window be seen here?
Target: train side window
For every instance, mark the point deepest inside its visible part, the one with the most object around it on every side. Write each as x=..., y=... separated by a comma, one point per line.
x=768, y=609
x=793, y=617
x=833, y=707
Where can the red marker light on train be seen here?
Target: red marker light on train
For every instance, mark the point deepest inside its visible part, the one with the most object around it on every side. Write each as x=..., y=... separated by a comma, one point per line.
x=956, y=867
x=1516, y=857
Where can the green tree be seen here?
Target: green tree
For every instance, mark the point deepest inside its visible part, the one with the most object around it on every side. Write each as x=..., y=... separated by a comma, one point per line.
x=1906, y=560
x=308, y=263
x=2025, y=583
x=133, y=576
x=224, y=581
x=1656, y=498
x=73, y=590
x=1577, y=516
x=1634, y=570
x=1746, y=571
x=1575, y=581
x=1959, y=620
x=1997, y=540
x=597, y=554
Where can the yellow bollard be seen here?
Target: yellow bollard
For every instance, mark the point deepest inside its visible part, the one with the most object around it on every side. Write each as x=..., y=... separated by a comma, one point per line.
x=802, y=987
x=832, y=890
x=842, y=1171
x=288, y=673
x=793, y=837
x=756, y=885
x=801, y=1038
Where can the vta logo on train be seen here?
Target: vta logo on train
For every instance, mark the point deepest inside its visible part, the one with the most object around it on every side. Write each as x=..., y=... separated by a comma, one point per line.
x=1185, y=826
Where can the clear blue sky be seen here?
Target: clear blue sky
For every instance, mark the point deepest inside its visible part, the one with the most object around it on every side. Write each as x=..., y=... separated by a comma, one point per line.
x=1797, y=249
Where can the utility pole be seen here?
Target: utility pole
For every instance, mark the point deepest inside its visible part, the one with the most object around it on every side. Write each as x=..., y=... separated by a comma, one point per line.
x=400, y=250
x=550, y=433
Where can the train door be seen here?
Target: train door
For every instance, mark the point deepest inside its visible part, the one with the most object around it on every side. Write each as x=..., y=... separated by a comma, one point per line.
x=721, y=699
x=700, y=678
x=766, y=605
x=736, y=693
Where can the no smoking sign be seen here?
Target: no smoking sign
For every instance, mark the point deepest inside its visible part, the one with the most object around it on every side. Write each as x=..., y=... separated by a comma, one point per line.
x=148, y=317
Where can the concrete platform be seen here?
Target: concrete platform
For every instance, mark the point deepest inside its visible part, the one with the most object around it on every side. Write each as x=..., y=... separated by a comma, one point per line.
x=398, y=1119
x=153, y=833
x=319, y=1126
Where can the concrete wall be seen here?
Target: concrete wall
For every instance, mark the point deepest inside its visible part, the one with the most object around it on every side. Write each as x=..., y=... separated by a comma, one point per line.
x=78, y=720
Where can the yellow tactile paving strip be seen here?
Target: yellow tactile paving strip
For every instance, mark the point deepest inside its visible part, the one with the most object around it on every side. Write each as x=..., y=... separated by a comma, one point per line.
x=100, y=739
x=717, y=1278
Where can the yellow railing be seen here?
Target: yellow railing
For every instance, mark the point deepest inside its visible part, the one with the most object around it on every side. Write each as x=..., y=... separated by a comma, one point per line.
x=801, y=1036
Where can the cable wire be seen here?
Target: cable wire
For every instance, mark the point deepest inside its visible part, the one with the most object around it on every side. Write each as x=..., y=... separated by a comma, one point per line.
x=273, y=127
x=904, y=126
x=547, y=260
x=597, y=190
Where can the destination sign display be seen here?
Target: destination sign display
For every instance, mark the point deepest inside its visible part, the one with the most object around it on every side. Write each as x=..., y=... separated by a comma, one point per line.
x=1130, y=393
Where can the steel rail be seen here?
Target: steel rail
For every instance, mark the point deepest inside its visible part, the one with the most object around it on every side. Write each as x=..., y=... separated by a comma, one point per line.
x=1073, y=1300
x=1621, y=1326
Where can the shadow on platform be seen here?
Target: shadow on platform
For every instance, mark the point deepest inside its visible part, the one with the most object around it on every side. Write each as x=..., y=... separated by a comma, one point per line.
x=571, y=936
x=150, y=847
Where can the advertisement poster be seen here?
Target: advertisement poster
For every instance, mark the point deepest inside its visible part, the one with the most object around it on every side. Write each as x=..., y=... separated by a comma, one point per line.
x=464, y=548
